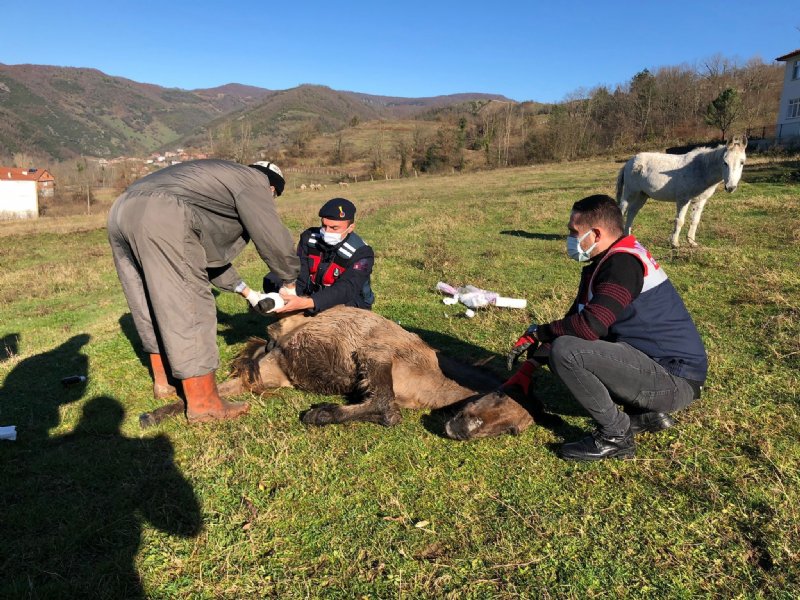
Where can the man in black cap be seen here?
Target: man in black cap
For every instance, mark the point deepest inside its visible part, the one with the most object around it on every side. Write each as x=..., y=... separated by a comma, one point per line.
x=335, y=264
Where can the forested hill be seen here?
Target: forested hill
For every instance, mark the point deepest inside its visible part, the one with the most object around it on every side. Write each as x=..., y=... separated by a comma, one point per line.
x=63, y=112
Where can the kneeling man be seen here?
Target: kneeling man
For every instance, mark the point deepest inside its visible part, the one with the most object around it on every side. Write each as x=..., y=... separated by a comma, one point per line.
x=627, y=338
x=335, y=264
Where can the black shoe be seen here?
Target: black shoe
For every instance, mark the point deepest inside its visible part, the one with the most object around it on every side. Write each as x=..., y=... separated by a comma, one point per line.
x=598, y=446
x=650, y=421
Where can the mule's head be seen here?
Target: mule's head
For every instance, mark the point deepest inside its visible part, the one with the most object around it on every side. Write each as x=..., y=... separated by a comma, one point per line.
x=490, y=415
x=733, y=163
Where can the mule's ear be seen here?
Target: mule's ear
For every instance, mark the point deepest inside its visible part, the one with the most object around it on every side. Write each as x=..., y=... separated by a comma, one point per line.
x=744, y=142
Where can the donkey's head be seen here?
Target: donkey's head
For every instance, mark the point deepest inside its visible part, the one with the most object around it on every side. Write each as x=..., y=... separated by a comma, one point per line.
x=490, y=415
x=733, y=163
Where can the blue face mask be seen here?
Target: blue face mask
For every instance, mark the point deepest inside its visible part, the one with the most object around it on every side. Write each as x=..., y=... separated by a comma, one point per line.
x=574, y=248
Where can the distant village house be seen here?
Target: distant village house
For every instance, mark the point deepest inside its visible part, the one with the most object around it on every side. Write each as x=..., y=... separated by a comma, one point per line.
x=20, y=190
x=789, y=112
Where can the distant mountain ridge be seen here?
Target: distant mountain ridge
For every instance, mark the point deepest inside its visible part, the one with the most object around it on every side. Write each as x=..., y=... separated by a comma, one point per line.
x=63, y=112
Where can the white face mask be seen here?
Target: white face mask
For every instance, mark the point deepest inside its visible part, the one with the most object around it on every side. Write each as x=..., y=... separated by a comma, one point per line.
x=574, y=248
x=330, y=238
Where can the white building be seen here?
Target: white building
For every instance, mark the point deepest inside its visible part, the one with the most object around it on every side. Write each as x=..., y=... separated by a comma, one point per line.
x=789, y=112
x=18, y=199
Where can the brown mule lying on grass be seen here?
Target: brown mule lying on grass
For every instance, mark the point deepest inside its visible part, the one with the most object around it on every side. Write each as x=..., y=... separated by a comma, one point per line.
x=349, y=351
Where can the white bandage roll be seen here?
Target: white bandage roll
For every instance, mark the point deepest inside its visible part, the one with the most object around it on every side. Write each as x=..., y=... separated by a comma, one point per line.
x=511, y=302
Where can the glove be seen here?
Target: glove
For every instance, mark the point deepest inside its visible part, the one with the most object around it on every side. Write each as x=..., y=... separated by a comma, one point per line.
x=526, y=342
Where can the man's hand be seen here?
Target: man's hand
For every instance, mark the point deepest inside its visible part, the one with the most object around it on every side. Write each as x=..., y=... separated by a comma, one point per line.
x=526, y=342
x=288, y=289
x=293, y=303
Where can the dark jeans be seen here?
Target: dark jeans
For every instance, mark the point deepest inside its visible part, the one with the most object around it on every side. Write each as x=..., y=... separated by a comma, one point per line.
x=597, y=371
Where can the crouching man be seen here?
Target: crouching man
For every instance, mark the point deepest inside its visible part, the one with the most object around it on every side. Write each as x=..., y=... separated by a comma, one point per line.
x=335, y=264
x=627, y=338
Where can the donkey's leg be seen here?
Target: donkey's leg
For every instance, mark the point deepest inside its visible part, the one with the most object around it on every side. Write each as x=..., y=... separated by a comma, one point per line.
x=680, y=216
x=634, y=203
x=698, y=204
x=380, y=405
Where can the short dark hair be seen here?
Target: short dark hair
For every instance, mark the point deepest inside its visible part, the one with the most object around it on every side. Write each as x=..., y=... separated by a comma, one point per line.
x=600, y=209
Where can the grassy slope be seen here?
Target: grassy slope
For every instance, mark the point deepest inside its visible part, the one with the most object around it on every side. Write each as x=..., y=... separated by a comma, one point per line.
x=266, y=507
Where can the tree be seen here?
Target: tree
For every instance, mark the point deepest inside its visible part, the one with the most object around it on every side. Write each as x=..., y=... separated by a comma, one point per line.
x=82, y=167
x=723, y=110
x=643, y=92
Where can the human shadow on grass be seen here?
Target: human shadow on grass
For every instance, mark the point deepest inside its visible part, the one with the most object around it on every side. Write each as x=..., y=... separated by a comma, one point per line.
x=9, y=346
x=32, y=391
x=233, y=328
x=531, y=235
x=74, y=506
x=239, y=327
x=129, y=329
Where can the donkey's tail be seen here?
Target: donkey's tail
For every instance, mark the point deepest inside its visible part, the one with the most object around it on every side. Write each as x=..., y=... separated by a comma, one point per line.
x=245, y=365
x=620, y=183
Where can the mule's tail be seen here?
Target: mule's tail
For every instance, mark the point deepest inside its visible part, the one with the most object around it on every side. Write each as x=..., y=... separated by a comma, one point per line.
x=245, y=365
x=620, y=184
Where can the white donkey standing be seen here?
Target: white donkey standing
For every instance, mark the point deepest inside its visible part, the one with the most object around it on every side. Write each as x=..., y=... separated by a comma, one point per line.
x=684, y=178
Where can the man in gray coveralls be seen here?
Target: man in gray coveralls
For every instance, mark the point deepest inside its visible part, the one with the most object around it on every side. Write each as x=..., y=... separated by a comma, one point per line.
x=172, y=233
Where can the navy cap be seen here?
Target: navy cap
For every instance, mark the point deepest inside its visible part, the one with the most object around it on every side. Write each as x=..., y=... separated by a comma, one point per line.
x=338, y=209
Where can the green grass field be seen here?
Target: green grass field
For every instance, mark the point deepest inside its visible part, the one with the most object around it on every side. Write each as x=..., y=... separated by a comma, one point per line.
x=92, y=507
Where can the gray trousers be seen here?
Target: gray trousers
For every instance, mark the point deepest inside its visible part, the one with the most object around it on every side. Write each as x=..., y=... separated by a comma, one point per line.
x=162, y=268
x=599, y=373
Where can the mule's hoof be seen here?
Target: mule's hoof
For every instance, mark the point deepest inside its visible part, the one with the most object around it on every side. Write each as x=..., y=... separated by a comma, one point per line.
x=391, y=418
x=319, y=415
x=149, y=419
x=693, y=244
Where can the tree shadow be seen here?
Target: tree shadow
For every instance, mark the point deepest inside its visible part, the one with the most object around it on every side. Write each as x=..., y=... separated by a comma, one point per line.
x=533, y=236
x=74, y=506
x=778, y=171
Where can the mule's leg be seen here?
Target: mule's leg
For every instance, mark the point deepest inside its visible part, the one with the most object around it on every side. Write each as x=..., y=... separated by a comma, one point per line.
x=633, y=204
x=380, y=405
x=698, y=204
x=680, y=216
x=231, y=387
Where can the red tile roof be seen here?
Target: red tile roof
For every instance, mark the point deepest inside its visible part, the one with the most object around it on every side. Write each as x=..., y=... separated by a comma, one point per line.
x=788, y=56
x=14, y=174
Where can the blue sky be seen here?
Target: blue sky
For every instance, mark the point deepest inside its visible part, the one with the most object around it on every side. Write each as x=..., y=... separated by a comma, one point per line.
x=524, y=50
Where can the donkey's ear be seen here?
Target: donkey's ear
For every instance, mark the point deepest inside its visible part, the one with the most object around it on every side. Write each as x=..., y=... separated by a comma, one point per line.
x=744, y=142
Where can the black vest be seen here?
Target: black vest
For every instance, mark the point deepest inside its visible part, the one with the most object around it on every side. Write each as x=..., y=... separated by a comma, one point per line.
x=325, y=266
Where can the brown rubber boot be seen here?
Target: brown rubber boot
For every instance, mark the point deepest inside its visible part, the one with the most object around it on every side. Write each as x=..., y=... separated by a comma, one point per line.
x=161, y=386
x=203, y=402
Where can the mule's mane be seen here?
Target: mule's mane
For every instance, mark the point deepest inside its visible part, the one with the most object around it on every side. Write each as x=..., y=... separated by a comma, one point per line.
x=703, y=150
